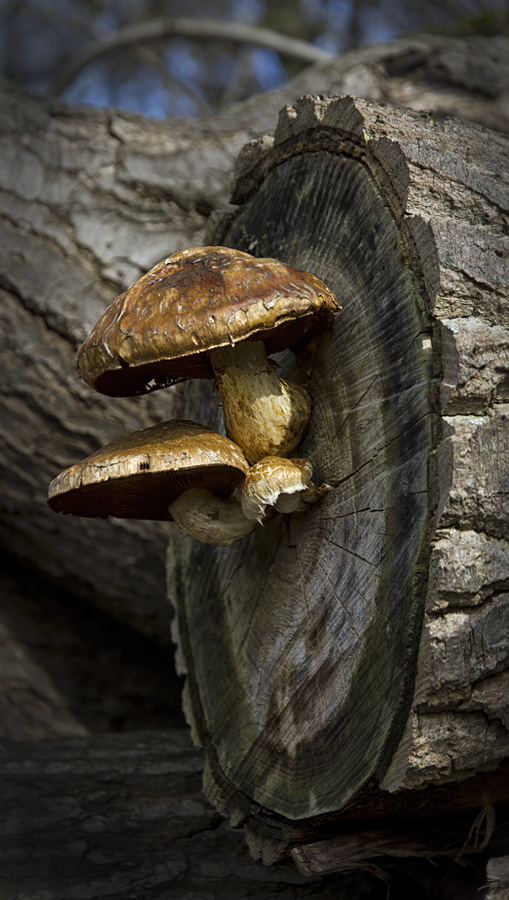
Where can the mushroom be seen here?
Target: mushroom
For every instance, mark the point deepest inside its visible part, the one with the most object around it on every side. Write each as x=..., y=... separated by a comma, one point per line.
x=176, y=470
x=183, y=471
x=283, y=484
x=215, y=312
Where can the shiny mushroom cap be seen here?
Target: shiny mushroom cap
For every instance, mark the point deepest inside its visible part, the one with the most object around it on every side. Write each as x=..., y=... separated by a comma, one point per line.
x=161, y=329
x=138, y=476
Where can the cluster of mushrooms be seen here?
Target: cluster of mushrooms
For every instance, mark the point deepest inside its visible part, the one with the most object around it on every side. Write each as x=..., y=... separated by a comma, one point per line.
x=206, y=312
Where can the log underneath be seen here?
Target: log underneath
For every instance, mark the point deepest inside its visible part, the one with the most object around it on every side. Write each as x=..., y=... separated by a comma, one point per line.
x=123, y=817
x=300, y=644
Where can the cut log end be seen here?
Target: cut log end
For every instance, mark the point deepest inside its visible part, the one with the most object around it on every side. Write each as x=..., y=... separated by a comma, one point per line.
x=318, y=617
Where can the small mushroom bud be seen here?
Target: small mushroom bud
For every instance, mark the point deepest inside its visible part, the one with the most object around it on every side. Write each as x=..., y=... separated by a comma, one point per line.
x=281, y=484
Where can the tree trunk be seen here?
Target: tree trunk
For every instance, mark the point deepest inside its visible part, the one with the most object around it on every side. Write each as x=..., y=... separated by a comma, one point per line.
x=68, y=670
x=84, y=213
x=300, y=643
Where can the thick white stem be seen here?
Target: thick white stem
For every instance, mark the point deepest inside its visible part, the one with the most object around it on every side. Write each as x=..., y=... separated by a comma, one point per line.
x=263, y=414
x=211, y=519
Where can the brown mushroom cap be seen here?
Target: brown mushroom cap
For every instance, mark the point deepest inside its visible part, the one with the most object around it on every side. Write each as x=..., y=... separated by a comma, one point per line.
x=139, y=475
x=161, y=329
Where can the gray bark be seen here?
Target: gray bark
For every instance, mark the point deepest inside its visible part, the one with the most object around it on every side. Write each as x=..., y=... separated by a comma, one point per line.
x=72, y=235
x=123, y=816
x=68, y=670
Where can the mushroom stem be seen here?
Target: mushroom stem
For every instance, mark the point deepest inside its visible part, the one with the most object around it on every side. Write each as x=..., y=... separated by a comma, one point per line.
x=263, y=414
x=211, y=519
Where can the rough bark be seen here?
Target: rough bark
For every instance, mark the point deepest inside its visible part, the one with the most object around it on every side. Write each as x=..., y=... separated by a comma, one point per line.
x=82, y=217
x=465, y=78
x=89, y=200
x=300, y=644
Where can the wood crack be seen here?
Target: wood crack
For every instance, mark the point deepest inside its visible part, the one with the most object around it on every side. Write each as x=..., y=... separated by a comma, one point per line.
x=53, y=322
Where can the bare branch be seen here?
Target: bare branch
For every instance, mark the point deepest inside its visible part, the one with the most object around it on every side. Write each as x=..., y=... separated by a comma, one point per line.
x=197, y=29
x=149, y=59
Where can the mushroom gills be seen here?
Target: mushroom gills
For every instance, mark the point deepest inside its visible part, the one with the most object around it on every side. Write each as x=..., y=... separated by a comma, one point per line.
x=264, y=414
